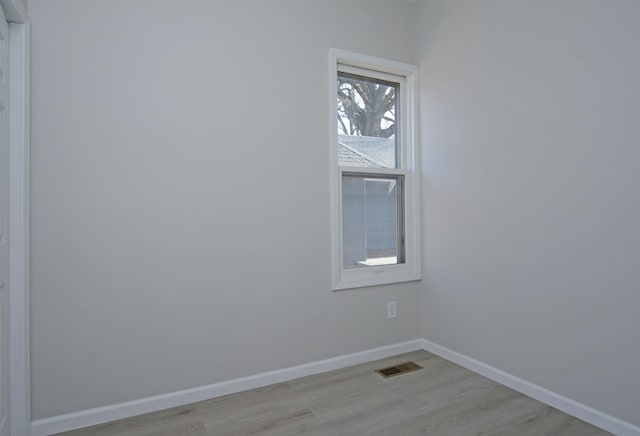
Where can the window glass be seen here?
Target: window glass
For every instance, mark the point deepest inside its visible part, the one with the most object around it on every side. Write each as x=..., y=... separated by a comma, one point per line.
x=367, y=119
x=372, y=217
x=374, y=189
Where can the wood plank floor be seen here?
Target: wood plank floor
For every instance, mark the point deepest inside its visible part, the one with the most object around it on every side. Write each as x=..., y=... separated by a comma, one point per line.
x=441, y=399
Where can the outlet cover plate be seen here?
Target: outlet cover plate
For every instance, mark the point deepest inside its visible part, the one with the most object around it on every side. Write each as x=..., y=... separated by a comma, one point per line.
x=391, y=310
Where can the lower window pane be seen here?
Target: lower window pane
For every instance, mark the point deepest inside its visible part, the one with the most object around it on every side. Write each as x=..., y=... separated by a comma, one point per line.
x=372, y=220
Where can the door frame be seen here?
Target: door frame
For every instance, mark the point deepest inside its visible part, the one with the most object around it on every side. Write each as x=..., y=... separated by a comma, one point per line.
x=19, y=221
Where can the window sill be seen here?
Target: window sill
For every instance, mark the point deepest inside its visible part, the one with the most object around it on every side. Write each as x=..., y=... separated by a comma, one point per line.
x=379, y=261
x=375, y=281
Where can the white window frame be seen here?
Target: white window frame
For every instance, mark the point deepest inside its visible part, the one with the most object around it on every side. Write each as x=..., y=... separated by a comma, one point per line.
x=405, y=75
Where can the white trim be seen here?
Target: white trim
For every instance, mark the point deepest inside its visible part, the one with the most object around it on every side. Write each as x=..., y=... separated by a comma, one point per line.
x=333, y=172
x=378, y=171
x=100, y=415
x=367, y=72
x=20, y=404
x=371, y=63
x=567, y=405
x=86, y=418
x=405, y=74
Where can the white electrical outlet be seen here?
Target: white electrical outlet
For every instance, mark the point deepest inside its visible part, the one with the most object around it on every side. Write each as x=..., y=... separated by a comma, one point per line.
x=391, y=310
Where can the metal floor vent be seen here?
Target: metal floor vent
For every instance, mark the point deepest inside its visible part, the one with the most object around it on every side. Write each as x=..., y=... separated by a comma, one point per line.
x=402, y=368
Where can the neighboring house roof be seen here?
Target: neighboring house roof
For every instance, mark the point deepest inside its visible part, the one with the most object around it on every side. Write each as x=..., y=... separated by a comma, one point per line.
x=348, y=157
x=366, y=152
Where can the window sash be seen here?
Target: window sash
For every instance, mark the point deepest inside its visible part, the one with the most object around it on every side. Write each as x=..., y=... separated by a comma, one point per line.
x=351, y=246
x=397, y=108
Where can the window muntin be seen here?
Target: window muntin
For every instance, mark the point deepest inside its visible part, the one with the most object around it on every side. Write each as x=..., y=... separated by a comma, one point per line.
x=375, y=216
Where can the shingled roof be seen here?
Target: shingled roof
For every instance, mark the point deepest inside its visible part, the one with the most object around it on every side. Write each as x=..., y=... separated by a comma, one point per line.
x=366, y=152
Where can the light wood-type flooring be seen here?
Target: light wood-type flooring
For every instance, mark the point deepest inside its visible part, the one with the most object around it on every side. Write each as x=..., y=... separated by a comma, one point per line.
x=441, y=399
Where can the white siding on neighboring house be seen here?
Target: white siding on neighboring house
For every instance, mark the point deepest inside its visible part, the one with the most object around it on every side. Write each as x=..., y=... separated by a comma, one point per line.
x=369, y=206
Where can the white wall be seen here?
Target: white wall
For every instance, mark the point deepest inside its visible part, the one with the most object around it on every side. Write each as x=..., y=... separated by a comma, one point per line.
x=531, y=134
x=168, y=147
x=180, y=222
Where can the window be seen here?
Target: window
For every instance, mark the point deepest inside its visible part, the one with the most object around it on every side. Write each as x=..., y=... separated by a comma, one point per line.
x=374, y=176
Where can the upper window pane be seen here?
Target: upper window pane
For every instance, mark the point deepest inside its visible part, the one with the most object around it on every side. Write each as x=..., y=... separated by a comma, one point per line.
x=368, y=117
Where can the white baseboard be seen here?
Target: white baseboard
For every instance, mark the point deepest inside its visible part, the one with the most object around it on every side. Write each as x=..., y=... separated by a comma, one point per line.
x=567, y=405
x=86, y=418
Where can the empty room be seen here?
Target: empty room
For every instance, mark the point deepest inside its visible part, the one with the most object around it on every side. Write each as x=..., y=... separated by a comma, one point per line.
x=235, y=212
